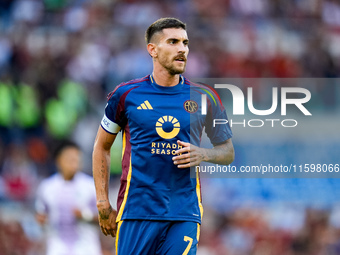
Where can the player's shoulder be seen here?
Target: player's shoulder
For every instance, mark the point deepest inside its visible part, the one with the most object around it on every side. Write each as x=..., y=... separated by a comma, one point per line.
x=128, y=86
x=202, y=88
x=85, y=177
x=85, y=182
x=50, y=181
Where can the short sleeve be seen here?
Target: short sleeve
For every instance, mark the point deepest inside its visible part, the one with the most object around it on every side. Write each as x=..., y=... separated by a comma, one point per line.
x=114, y=116
x=216, y=131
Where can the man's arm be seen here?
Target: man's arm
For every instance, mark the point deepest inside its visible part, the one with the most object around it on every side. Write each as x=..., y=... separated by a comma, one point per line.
x=192, y=155
x=85, y=215
x=101, y=175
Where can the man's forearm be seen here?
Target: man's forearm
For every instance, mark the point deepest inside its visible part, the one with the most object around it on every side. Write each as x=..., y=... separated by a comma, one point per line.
x=101, y=175
x=190, y=155
x=221, y=154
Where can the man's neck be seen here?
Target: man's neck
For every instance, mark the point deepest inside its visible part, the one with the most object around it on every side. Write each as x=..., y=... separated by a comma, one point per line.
x=163, y=78
x=68, y=177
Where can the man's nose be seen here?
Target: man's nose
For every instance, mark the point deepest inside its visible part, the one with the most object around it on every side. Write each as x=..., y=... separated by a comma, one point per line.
x=182, y=48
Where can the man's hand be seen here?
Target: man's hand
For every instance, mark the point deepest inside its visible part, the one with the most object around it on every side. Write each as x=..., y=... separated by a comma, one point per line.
x=77, y=213
x=41, y=218
x=107, y=221
x=189, y=155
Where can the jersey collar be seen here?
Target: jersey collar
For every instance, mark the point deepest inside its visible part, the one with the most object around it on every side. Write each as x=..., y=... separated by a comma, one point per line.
x=172, y=88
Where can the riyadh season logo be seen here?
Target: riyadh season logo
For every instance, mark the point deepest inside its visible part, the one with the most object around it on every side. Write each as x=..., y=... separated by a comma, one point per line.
x=239, y=105
x=167, y=127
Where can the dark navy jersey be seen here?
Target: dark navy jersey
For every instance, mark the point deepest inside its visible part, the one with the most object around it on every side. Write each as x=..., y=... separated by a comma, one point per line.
x=152, y=119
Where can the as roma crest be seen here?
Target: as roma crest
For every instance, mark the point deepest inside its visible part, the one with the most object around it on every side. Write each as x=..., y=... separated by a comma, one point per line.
x=190, y=106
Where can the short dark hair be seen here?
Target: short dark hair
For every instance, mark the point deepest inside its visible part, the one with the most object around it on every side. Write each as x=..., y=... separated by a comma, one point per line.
x=62, y=145
x=161, y=24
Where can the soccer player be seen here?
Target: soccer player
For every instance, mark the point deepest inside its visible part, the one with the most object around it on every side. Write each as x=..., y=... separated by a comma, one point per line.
x=159, y=205
x=66, y=203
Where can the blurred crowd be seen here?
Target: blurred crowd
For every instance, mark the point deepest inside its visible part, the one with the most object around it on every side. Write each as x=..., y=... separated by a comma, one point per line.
x=252, y=231
x=236, y=225
x=60, y=58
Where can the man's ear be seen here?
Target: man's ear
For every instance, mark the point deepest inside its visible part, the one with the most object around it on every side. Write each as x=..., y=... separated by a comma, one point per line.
x=151, y=47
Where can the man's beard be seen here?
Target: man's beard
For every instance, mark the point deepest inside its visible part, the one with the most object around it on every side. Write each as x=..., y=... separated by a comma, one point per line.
x=173, y=70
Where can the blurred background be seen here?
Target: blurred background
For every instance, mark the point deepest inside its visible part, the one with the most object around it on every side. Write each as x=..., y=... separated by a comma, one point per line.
x=60, y=58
